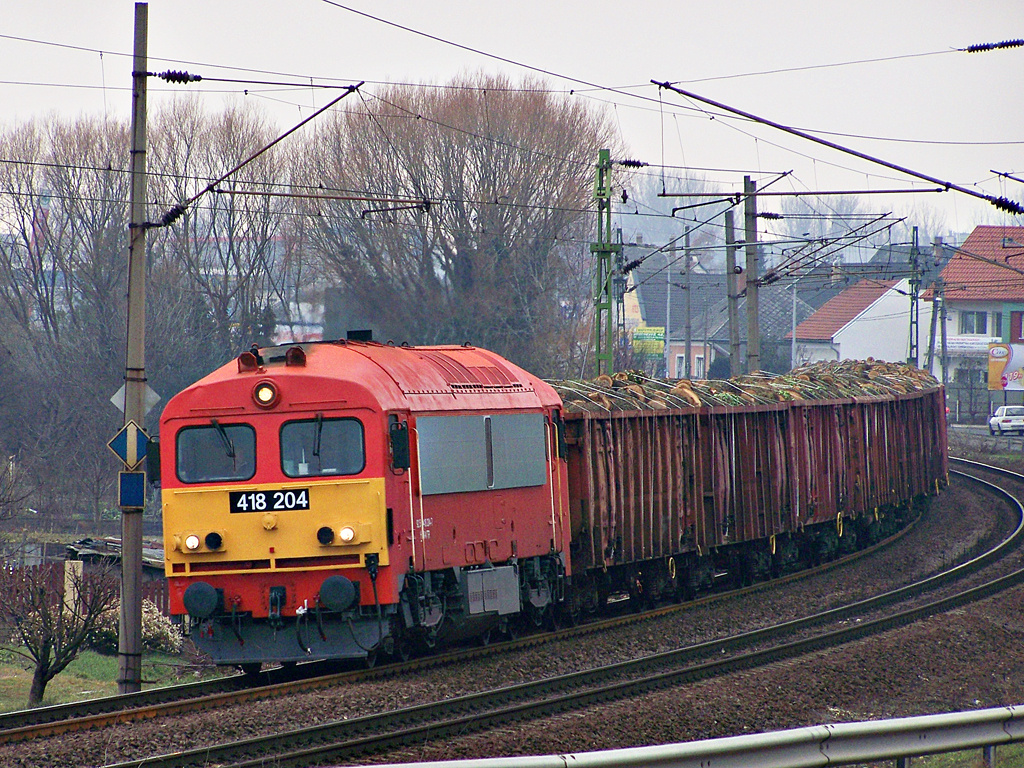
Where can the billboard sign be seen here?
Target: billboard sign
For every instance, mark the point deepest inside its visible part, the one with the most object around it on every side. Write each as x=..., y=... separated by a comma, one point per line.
x=649, y=342
x=1005, y=367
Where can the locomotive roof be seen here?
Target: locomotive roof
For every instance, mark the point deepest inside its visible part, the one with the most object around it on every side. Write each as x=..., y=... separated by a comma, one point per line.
x=396, y=377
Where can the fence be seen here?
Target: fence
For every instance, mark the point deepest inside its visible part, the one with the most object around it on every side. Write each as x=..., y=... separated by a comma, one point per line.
x=52, y=576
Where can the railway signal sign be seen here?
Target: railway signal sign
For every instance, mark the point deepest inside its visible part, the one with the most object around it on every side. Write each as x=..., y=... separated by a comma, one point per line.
x=129, y=444
x=131, y=490
x=151, y=398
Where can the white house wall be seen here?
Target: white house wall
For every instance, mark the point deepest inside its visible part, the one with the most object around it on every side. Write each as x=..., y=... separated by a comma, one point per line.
x=882, y=331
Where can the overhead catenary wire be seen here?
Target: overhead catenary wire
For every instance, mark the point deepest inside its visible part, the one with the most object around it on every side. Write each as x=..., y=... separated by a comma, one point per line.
x=178, y=210
x=1002, y=203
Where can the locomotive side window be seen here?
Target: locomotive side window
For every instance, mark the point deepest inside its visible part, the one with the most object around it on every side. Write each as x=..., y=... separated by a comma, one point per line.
x=477, y=453
x=322, y=447
x=216, y=452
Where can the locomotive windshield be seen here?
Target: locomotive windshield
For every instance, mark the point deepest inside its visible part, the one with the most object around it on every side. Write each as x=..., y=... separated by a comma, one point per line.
x=322, y=447
x=216, y=452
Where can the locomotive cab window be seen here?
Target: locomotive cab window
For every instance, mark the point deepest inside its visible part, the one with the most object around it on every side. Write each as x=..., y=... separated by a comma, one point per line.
x=216, y=452
x=322, y=447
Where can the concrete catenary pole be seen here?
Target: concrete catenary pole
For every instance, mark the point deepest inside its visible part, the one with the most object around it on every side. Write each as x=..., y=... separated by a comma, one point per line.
x=936, y=300
x=689, y=304
x=753, y=328
x=670, y=259
x=732, y=295
x=129, y=645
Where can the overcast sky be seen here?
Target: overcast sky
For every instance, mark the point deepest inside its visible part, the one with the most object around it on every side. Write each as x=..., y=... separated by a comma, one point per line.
x=968, y=109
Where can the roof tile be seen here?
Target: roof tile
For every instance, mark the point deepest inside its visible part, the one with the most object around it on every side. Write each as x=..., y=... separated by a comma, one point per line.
x=835, y=313
x=971, y=274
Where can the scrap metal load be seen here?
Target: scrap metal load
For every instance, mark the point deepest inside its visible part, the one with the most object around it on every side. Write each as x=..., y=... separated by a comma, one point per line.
x=632, y=390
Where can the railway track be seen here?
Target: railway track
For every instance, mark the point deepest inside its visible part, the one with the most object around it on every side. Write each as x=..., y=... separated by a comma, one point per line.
x=384, y=731
x=159, y=702
x=346, y=740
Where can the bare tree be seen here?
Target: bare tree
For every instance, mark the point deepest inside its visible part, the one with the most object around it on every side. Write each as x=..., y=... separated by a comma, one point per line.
x=62, y=208
x=227, y=246
x=12, y=491
x=470, y=197
x=52, y=615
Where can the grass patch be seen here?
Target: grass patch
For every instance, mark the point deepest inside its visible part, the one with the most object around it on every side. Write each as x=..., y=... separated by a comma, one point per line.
x=91, y=675
x=1007, y=756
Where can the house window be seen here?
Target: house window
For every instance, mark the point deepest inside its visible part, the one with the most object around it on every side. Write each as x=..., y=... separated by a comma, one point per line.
x=997, y=324
x=698, y=367
x=680, y=366
x=1016, y=331
x=974, y=322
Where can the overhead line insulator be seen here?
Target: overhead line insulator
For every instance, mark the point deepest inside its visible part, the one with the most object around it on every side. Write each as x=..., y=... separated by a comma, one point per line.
x=177, y=76
x=979, y=47
x=1006, y=204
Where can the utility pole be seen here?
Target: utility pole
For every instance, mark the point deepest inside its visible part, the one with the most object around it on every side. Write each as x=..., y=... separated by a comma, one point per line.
x=940, y=291
x=753, y=327
x=620, y=279
x=604, y=249
x=732, y=295
x=936, y=301
x=689, y=319
x=915, y=289
x=129, y=644
x=669, y=260
x=792, y=331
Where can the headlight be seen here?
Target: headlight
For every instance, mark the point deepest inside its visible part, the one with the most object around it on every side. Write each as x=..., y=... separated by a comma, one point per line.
x=347, y=534
x=265, y=394
x=192, y=542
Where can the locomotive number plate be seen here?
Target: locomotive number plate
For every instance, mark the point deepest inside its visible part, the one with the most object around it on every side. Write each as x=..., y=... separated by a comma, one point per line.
x=269, y=501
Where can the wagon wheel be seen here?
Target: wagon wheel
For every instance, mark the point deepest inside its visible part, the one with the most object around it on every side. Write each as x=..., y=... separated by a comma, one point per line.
x=552, y=618
x=403, y=648
x=250, y=668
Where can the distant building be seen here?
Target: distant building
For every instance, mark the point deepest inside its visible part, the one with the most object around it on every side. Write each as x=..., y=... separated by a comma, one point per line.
x=869, y=319
x=983, y=286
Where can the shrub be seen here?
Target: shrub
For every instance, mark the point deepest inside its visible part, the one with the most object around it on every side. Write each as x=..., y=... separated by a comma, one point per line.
x=159, y=633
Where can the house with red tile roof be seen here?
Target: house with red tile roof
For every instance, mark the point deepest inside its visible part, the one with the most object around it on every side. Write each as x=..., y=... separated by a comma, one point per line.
x=869, y=319
x=983, y=288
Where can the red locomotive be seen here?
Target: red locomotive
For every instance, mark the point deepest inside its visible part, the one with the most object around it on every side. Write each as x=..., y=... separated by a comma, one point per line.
x=337, y=500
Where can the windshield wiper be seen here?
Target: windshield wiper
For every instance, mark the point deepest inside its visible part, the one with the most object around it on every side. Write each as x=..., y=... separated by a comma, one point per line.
x=229, y=447
x=319, y=434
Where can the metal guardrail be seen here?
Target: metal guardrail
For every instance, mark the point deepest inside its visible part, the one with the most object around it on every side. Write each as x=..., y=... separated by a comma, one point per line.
x=819, y=745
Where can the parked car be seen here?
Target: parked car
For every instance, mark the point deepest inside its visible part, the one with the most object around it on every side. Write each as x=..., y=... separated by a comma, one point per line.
x=1007, y=418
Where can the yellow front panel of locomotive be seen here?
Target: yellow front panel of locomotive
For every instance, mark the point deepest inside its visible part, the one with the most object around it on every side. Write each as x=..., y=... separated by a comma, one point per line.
x=274, y=526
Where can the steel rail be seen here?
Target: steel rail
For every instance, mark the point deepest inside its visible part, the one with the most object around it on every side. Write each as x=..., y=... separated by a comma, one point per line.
x=374, y=733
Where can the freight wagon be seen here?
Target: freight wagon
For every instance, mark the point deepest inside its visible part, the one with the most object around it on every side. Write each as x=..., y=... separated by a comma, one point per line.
x=662, y=498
